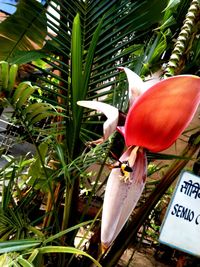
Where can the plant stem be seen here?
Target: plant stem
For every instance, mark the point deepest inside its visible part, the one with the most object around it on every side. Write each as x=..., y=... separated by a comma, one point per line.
x=67, y=206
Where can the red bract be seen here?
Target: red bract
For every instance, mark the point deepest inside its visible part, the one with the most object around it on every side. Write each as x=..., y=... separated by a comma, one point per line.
x=156, y=117
x=159, y=116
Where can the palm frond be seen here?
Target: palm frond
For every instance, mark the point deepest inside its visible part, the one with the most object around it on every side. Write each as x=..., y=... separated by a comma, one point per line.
x=24, y=30
x=107, y=32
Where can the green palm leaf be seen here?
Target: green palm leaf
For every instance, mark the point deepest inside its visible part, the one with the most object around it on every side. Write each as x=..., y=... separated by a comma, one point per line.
x=100, y=45
x=24, y=30
x=86, y=42
x=9, y=246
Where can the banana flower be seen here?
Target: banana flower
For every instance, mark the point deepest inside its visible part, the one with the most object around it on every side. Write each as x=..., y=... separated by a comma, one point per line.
x=157, y=115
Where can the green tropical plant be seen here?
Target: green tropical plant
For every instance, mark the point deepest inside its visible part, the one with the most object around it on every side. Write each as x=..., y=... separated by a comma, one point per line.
x=24, y=30
x=78, y=60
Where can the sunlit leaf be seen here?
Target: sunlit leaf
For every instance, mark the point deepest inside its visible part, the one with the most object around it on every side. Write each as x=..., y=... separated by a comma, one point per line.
x=26, y=29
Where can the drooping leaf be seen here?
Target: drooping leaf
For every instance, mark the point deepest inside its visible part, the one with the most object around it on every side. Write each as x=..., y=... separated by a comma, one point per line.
x=18, y=245
x=71, y=250
x=25, y=30
x=23, y=57
x=24, y=262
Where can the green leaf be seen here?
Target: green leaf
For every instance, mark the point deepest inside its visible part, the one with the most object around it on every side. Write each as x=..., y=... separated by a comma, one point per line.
x=76, y=86
x=71, y=250
x=42, y=116
x=19, y=90
x=60, y=152
x=33, y=255
x=80, y=81
x=9, y=246
x=12, y=76
x=33, y=111
x=27, y=92
x=26, y=29
x=4, y=74
x=76, y=58
x=58, y=235
x=5, y=260
x=90, y=57
x=24, y=262
x=172, y=4
x=37, y=166
x=22, y=57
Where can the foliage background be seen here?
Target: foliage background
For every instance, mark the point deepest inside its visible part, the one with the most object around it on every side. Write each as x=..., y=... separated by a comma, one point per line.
x=71, y=56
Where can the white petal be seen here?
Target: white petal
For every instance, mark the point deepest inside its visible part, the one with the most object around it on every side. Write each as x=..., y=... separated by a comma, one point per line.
x=136, y=85
x=109, y=111
x=121, y=197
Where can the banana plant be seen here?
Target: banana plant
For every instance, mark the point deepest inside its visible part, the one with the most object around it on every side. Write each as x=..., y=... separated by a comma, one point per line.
x=81, y=60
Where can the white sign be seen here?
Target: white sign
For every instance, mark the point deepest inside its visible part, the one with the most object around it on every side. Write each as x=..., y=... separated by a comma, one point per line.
x=181, y=225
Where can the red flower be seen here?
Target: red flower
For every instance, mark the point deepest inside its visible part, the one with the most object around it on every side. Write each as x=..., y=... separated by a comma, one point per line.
x=157, y=116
